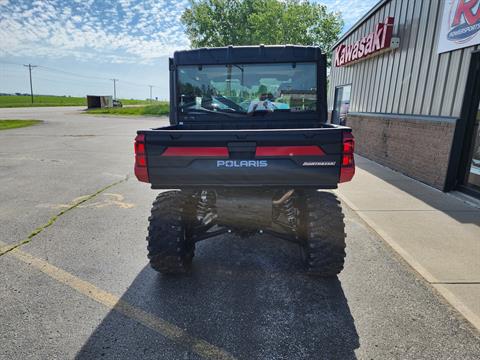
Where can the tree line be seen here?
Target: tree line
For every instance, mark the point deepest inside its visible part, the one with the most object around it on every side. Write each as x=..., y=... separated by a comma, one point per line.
x=213, y=23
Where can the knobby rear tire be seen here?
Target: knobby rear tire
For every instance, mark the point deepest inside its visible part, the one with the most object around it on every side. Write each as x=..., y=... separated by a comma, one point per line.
x=323, y=234
x=170, y=249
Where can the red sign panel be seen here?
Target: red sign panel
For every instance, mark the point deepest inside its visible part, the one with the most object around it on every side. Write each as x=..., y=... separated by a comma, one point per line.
x=373, y=43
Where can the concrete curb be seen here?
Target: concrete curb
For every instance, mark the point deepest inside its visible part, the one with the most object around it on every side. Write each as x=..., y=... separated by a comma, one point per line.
x=469, y=315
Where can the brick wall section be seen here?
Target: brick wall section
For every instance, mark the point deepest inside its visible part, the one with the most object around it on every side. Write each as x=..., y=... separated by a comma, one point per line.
x=418, y=148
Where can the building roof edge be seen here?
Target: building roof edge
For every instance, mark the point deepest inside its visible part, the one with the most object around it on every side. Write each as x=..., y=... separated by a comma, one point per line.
x=360, y=22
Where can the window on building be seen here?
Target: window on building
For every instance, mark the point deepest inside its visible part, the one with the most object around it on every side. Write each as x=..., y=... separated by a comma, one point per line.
x=341, y=104
x=473, y=177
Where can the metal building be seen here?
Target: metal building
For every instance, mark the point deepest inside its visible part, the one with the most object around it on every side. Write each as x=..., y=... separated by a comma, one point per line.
x=99, y=101
x=406, y=78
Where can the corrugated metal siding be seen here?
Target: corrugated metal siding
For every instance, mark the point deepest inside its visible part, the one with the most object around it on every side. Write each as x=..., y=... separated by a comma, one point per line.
x=420, y=50
x=413, y=79
x=382, y=63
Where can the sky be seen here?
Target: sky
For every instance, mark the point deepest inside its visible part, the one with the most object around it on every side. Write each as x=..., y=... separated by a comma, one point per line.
x=79, y=45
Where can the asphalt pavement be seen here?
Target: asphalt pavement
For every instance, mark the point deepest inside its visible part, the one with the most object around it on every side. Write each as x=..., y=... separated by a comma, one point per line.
x=80, y=286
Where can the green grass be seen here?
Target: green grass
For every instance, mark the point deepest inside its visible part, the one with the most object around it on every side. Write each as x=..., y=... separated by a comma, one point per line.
x=137, y=102
x=161, y=108
x=26, y=101
x=41, y=100
x=12, y=124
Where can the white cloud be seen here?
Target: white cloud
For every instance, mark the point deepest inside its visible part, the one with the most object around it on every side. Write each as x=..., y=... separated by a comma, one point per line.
x=129, y=31
x=138, y=32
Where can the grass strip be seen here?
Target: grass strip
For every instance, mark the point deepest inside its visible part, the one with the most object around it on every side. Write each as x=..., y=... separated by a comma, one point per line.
x=14, y=123
x=12, y=101
x=157, y=110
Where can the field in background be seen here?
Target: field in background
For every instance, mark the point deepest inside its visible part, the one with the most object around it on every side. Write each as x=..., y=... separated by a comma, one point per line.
x=160, y=108
x=41, y=100
x=12, y=124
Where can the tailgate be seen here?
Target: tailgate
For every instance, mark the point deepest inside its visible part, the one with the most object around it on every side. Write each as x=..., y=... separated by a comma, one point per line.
x=243, y=158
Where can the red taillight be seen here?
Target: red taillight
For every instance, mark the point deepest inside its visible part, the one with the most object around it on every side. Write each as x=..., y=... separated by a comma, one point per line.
x=139, y=148
x=141, y=161
x=346, y=173
x=347, y=160
x=141, y=171
x=348, y=145
x=347, y=170
x=289, y=151
x=140, y=143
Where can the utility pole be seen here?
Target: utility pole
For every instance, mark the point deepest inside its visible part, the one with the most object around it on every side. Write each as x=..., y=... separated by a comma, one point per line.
x=150, y=86
x=114, y=88
x=30, y=66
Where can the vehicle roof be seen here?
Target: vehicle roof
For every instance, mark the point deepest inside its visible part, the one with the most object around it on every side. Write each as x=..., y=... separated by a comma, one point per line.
x=247, y=54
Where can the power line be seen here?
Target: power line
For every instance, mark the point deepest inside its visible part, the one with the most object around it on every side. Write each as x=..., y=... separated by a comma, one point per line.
x=92, y=77
x=89, y=77
x=65, y=84
x=66, y=80
x=78, y=75
x=73, y=74
x=10, y=63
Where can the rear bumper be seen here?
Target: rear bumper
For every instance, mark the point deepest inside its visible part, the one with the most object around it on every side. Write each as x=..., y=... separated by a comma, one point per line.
x=247, y=173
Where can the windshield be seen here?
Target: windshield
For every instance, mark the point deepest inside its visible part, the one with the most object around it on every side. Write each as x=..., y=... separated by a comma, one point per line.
x=248, y=88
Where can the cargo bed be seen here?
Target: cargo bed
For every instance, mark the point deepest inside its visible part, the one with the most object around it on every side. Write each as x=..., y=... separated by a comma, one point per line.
x=192, y=155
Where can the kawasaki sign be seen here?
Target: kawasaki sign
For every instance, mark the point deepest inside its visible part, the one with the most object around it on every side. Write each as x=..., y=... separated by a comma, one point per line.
x=460, y=25
x=373, y=44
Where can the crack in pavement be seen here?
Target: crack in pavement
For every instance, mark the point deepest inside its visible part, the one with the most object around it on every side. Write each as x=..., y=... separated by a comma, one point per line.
x=169, y=330
x=53, y=219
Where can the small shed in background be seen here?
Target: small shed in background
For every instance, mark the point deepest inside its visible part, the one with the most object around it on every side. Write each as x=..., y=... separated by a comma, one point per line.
x=98, y=101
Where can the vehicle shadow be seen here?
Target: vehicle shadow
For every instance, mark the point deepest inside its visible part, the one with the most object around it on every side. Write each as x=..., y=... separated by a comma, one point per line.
x=248, y=297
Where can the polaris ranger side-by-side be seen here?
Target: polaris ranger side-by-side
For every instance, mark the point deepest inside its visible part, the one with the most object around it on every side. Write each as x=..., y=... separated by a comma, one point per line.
x=247, y=149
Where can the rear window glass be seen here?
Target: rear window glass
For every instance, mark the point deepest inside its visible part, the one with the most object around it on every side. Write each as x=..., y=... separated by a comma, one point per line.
x=248, y=88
